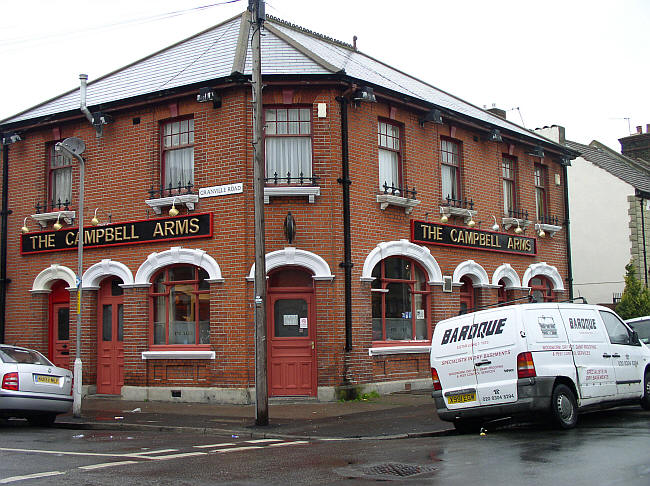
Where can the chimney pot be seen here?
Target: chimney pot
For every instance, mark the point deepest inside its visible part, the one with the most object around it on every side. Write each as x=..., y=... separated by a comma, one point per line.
x=639, y=129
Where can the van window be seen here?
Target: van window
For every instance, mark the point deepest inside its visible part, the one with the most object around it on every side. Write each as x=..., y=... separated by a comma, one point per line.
x=618, y=333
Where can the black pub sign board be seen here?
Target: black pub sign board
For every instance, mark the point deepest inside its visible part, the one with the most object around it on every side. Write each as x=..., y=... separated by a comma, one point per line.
x=127, y=233
x=459, y=236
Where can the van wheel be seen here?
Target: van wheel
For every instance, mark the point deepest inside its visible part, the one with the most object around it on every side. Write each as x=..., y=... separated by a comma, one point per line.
x=564, y=408
x=466, y=426
x=645, y=400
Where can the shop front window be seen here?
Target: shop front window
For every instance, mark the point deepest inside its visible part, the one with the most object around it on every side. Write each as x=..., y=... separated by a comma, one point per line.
x=400, y=301
x=541, y=289
x=180, y=306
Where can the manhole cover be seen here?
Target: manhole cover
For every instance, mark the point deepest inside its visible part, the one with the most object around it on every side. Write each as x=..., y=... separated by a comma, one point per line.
x=386, y=471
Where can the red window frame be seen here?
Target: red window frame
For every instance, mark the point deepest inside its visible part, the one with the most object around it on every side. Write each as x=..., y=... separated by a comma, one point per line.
x=301, y=124
x=379, y=291
x=199, y=276
x=384, y=139
x=66, y=163
x=467, y=295
x=543, y=287
x=541, y=191
x=450, y=159
x=164, y=150
x=509, y=178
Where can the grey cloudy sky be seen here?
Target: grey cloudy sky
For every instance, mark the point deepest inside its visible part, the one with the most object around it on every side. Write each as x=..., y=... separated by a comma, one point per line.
x=582, y=64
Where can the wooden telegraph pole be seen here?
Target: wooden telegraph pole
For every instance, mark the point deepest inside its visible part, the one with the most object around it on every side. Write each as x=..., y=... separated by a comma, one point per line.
x=261, y=385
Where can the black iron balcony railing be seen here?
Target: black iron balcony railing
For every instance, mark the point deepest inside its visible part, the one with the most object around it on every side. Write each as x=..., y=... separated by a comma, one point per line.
x=459, y=203
x=400, y=191
x=518, y=214
x=170, y=190
x=300, y=180
x=52, y=206
x=552, y=220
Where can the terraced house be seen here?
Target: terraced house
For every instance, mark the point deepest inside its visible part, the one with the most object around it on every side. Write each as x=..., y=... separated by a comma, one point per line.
x=389, y=205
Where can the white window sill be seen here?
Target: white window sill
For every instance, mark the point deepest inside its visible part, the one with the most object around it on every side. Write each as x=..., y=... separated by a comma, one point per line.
x=291, y=191
x=187, y=199
x=178, y=355
x=466, y=214
x=399, y=350
x=549, y=229
x=386, y=200
x=513, y=222
x=44, y=218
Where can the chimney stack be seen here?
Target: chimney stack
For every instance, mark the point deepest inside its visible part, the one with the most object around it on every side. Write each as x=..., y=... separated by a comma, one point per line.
x=497, y=111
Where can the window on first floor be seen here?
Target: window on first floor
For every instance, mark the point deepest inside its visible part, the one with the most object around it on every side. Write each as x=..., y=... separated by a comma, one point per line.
x=450, y=157
x=178, y=153
x=180, y=306
x=508, y=172
x=540, y=191
x=59, y=186
x=400, y=301
x=388, y=135
x=541, y=289
x=288, y=145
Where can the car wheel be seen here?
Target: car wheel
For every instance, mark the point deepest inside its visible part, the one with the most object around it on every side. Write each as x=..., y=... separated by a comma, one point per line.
x=42, y=420
x=645, y=400
x=564, y=408
x=465, y=426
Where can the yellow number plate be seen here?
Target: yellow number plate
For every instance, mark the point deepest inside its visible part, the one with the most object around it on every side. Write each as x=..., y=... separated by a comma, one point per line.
x=463, y=398
x=52, y=380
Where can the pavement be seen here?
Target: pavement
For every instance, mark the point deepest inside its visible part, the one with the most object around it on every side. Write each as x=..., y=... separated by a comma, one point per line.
x=394, y=416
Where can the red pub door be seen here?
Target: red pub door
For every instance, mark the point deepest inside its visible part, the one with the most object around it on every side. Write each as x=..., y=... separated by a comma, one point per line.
x=292, y=334
x=110, y=334
x=59, y=325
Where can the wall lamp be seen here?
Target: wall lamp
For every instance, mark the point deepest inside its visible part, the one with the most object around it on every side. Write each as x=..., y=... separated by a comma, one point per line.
x=495, y=135
x=10, y=137
x=25, y=228
x=95, y=221
x=173, y=211
x=444, y=218
x=434, y=116
x=365, y=94
x=471, y=223
x=208, y=94
x=537, y=151
x=58, y=225
x=495, y=226
x=541, y=233
x=518, y=229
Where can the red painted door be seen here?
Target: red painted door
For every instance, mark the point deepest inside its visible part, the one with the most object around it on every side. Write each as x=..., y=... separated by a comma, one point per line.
x=59, y=325
x=292, y=355
x=110, y=333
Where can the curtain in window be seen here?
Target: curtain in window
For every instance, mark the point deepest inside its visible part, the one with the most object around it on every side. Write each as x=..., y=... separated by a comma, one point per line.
x=449, y=182
x=179, y=166
x=508, y=196
x=62, y=185
x=388, y=169
x=288, y=155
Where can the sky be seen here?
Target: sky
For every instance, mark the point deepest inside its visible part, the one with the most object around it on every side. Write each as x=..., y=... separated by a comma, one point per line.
x=582, y=64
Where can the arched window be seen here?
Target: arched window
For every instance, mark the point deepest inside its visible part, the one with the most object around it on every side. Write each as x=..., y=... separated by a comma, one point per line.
x=541, y=288
x=503, y=294
x=467, y=296
x=400, y=301
x=180, y=306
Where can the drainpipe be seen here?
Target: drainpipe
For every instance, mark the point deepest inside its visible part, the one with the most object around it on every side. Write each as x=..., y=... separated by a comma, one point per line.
x=568, y=231
x=347, y=239
x=645, y=256
x=4, y=281
x=82, y=95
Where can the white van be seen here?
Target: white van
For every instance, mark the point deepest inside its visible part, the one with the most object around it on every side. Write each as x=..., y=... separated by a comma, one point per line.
x=551, y=358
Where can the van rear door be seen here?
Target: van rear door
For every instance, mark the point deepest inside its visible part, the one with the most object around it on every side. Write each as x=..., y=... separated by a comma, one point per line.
x=494, y=333
x=451, y=356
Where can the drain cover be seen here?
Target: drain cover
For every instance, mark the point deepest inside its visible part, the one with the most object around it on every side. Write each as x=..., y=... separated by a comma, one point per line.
x=386, y=471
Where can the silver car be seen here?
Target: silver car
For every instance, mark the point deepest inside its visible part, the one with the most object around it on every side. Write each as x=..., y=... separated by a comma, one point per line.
x=642, y=326
x=32, y=387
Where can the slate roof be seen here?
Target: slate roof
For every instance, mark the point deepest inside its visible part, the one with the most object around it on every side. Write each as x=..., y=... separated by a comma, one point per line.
x=620, y=166
x=222, y=51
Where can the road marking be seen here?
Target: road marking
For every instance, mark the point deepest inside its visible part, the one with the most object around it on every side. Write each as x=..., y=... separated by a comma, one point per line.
x=107, y=464
x=297, y=442
x=177, y=456
x=234, y=449
x=261, y=441
x=31, y=476
x=146, y=453
x=207, y=446
x=39, y=451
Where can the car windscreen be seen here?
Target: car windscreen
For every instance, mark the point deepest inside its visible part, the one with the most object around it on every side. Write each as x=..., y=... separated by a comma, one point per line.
x=643, y=330
x=25, y=356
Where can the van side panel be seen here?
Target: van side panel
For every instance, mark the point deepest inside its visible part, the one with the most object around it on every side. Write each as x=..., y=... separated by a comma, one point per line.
x=495, y=342
x=591, y=351
x=451, y=356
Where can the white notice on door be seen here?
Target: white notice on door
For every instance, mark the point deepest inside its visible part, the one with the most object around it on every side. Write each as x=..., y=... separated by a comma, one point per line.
x=303, y=323
x=290, y=320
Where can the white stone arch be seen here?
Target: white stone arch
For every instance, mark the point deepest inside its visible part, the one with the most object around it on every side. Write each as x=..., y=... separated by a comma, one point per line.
x=319, y=268
x=475, y=271
x=405, y=248
x=509, y=276
x=177, y=254
x=107, y=267
x=545, y=270
x=44, y=280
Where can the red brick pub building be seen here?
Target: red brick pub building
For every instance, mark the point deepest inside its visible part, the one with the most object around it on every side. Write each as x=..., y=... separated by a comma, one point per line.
x=389, y=205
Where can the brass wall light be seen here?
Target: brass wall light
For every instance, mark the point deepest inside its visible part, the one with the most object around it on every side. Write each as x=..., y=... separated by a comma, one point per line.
x=57, y=226
x=518, y=229
x=95, y=221
x=444, y=218
x=173, y=211
x=471, y=223
x=25, y=229
x=541, y=233
x=495, y=226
